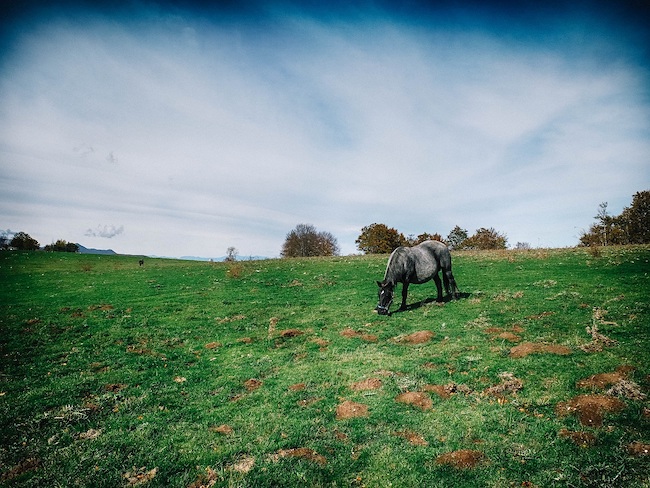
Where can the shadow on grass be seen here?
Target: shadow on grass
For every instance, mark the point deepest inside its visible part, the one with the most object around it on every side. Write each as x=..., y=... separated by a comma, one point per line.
x=426, y=301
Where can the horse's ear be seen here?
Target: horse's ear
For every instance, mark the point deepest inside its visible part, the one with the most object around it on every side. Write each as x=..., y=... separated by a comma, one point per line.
x=379, y=284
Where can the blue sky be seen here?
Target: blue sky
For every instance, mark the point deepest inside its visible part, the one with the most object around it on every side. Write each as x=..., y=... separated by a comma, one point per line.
x=159, y=129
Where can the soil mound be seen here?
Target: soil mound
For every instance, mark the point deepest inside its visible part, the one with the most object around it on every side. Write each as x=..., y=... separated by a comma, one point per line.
x=590, y=409
x=419, y=337
x=252, y=384
x=416, y=398
x=349, y=410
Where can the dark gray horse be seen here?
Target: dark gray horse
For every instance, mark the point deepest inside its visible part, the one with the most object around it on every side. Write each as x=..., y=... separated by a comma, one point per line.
x=417, y=264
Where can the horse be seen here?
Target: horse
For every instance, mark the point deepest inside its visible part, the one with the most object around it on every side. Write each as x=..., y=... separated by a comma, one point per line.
x=141, y=262
x=417, y=264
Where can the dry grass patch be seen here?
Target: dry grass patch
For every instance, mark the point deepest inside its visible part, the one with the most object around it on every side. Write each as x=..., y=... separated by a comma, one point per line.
x=369, y=384
x=638, y=449
x=300, y=452
x=582, y=439
x=463, y=459
x=223, y=429
x=352, y=334
x=523, y=350
x=413, y=438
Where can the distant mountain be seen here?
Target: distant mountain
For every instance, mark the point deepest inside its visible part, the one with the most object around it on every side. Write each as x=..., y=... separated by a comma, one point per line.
x=85, y=250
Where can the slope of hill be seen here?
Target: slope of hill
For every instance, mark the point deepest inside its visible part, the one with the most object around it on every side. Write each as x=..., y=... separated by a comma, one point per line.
x=279, y=372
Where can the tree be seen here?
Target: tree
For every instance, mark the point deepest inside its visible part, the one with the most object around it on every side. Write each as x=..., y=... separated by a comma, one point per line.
x=485, y=239
x=62, y=246
x=456, y=238
x=24, y=242
x=636, y=219
x=425, y=236
x=379, y=239
x=231, y=254
x=631, y=227
x=305, y=241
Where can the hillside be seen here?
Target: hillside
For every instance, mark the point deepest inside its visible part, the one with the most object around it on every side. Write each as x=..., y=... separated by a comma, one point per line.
x=279, y=372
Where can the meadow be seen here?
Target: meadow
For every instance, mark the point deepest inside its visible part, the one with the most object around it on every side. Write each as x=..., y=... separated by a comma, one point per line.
x=280, y=373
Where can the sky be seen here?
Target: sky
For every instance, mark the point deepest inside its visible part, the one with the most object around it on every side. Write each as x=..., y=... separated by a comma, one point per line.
x=185, y=128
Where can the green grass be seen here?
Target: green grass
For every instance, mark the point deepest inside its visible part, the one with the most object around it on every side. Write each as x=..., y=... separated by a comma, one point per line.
x=106, y=380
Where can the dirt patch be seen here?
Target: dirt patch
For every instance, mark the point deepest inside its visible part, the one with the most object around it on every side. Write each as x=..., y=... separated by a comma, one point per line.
x=590, y=409
x=321, y=342
x=369, y=384
x=349, y=410
x=291, y=333
x=413, y=438
x=226, y=320
x=245, y=340
x=523, y=350
x=582, y=439
x=302, y=453
x=298, y=387
x=212, y=345
x=418, y=399
x=618, y=382
x=352, y=334
x=223, y=429
x=638, y=449
x=252, y=384
x=20, y=469
x=600, y=381
x=463, y=459
x=498, y=333
x=420, y=337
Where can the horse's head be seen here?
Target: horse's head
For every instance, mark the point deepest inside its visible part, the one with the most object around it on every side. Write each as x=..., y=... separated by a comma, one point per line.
x=385, y=297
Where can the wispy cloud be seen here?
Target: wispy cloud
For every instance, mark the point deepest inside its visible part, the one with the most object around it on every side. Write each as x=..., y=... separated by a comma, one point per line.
x=232, y=130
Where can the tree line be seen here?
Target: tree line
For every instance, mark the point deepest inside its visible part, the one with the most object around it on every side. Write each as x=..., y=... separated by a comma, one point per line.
x=21, y=241
x=631, y=227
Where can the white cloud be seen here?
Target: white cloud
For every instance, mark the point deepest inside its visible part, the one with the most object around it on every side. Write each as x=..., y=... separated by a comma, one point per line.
x=198, y=134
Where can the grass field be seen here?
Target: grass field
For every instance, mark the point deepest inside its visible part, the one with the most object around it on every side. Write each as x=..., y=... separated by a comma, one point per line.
x=279, y=373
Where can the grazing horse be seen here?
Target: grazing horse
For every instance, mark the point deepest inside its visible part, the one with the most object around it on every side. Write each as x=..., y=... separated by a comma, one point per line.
x=417, y=264
x=141, y=262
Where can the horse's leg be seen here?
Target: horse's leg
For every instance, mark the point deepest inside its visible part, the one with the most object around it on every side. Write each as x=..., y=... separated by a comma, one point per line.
x=445, y=280
x=405, y=289
x=454, y=288
x=436, y=279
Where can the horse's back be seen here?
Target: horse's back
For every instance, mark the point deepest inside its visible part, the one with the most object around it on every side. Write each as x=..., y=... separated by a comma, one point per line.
x=425, y=262
x=440, y=252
